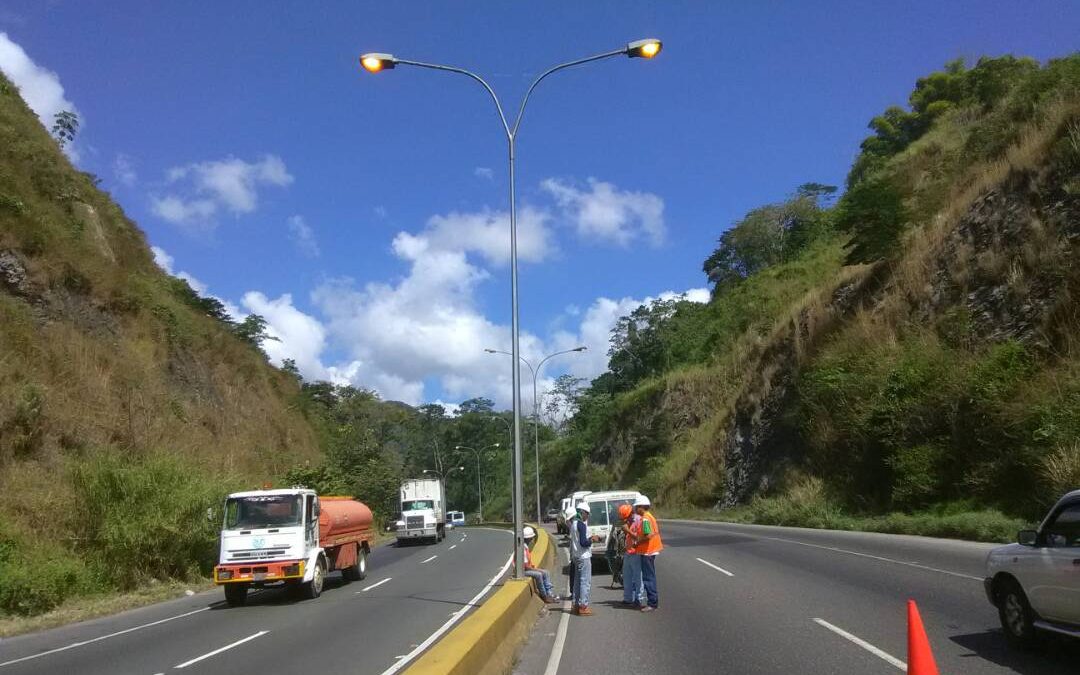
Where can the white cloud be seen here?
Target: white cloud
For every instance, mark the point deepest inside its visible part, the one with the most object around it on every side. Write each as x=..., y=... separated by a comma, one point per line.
x=606, y=214
x=484, y=172
x=486, y=233
x=167, y=263
x=231, y=184
x=39, y=87
x=301, y=337
x=163, y=259
x=303, y=236
x=124, y=170
x=380, y=211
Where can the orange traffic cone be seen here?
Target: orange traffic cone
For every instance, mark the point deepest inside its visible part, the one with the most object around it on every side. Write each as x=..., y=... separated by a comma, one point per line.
x=920, y=658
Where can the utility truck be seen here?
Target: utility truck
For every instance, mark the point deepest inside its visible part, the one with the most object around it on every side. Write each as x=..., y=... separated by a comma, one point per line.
x=291, y=536
x=423, y=515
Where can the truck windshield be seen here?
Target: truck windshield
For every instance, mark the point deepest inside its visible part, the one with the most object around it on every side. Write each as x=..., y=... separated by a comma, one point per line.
x=249, y=513
x=417, y=505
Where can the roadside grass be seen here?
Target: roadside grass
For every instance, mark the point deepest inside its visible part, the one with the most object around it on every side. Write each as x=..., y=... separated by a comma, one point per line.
x=944, y=521
x=85, y=608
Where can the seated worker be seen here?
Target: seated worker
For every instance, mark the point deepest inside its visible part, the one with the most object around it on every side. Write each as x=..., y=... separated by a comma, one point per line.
x=540, y=576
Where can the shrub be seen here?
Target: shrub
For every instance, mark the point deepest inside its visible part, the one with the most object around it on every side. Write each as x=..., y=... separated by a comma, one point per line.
x=37, y=578
x=1060, y=470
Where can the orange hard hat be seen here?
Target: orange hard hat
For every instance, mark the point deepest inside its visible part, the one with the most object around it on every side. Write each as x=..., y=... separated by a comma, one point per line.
x=625, y=510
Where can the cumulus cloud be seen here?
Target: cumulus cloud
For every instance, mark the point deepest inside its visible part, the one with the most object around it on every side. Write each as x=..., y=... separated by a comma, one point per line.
x=300, y=337
x=486, y=233
x=484, y=172
x=200, y=190
x=303, y=236
x=39, y=87
x=606, y=214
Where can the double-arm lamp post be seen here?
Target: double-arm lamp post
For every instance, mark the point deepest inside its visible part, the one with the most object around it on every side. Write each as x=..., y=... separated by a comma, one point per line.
x=376, y=62
x=536, y=412
x=479, y=488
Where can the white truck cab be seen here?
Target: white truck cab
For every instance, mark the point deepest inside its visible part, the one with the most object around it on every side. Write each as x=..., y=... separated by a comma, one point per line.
x=422, y=511
x=1035, y=583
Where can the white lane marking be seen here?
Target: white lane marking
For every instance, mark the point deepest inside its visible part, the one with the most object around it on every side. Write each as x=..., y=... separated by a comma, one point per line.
x=453, y=547
x=560, y=642
x=375, y=585
x=429, y=559
x=861, y=555
x=449, y=623
x=718, y=569
x=98, y=639
x=249, y=638
x=885, y=656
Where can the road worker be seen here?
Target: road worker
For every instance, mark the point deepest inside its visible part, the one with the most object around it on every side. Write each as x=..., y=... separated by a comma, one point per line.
x=633, y=591
x=649, y=545
x=538, y=575
x=581, y=559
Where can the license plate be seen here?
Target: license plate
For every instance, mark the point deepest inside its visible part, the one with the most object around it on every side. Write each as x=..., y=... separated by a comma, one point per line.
x=259, y=576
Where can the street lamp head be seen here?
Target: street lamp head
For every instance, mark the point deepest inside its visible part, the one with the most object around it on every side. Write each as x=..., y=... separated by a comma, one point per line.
x=373, y=62
x=645, y=49
x=490, y=351
x=579, y=349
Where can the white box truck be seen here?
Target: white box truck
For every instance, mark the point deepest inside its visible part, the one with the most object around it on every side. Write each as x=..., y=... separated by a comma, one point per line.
x=423, y=510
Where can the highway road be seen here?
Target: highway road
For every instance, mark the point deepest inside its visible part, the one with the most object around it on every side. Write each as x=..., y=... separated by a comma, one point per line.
x=752, y=599
x=372, y=626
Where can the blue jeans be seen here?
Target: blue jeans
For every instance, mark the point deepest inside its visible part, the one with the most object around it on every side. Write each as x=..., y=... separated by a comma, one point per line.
x=582, y=581
x=543, y=581
x=632, y=590
x=648, y=577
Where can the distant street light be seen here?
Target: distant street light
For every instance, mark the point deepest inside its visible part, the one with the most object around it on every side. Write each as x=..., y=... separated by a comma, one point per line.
x=536, y=412
x=479, y=488
x=375, y=62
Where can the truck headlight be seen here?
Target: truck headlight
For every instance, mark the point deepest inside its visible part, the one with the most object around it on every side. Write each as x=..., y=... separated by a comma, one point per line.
x=224, y=574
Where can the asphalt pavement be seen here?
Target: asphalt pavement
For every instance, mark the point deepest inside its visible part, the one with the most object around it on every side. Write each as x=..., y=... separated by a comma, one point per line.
x=753, y=599
x=409, y=598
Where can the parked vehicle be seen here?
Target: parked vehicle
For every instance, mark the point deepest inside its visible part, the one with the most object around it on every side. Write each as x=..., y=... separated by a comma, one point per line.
x=603, y=513
x=293, y=537
x=1035, y=583
x=551, y=514
x=422, y=510
x=456, y=518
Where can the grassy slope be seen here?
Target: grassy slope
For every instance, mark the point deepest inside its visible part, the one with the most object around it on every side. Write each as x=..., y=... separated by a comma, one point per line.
x=124, y=412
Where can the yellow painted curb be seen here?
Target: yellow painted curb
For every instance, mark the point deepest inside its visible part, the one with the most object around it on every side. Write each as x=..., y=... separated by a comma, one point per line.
x=485, y=641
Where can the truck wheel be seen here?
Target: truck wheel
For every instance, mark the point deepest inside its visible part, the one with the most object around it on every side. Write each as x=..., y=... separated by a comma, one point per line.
x=313, y=588
x=1016, y=616
x=236, y=594
x=358, y=570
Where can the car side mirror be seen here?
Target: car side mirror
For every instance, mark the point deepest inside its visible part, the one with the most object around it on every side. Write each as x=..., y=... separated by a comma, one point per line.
x=1027, y=537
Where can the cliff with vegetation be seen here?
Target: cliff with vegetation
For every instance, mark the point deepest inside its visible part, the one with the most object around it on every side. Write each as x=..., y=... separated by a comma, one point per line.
x=901, y=358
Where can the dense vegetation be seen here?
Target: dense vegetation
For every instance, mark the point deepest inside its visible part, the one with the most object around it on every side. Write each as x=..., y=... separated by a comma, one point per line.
x=919, y=330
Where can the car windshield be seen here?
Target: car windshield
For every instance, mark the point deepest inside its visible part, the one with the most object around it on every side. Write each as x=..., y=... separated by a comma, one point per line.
x=598, y=514
x=249, y=513
x=613, y=508
x=417, y=505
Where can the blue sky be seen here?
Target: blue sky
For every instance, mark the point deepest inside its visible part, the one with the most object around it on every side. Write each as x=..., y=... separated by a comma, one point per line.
x=365, y=215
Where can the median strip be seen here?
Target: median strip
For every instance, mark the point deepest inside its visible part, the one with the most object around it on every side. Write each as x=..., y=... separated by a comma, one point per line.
x=718, y=569
x=249, y=638
x=883, y=655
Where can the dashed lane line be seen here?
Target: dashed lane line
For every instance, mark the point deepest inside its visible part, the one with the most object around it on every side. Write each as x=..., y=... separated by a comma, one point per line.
x=715, y=567
x=883, y=655
x=375, y=585
x=452, y=547
x=100, y=638
x=429, y=559
x=249, y=638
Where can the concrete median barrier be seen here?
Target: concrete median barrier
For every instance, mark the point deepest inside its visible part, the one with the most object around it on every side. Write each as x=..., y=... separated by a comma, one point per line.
x=484, y=643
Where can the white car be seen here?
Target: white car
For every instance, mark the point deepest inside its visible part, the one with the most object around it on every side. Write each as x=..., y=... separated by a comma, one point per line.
x=1035, y=583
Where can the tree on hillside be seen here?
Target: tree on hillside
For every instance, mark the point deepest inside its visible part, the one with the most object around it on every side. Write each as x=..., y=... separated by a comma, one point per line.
x=254, y=331
x=561, y=400
x=65, y=126
x=476, y=405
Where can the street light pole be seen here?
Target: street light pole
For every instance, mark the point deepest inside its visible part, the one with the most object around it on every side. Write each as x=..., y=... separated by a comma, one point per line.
x=479, y=486
x=375, y=62
x=536, y=413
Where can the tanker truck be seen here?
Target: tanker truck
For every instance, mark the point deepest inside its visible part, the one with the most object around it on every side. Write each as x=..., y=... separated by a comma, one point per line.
x=292, y=537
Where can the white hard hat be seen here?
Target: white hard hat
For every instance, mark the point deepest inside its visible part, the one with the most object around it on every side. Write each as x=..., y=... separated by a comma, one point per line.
x=584, y=506
x=528, y=532
x=569, y=512
x=642, y=501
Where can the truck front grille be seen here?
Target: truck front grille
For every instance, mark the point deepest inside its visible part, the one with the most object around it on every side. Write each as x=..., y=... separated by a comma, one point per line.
x=257, y=554
x=414, y=522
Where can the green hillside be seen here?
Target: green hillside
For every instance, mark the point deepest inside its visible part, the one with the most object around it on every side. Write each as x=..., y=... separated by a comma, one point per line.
x=903, y=357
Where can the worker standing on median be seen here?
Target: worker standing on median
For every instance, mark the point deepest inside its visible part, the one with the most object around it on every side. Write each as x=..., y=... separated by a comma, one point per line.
x=633, y=592
x=649, y=545
x=540, y=576
x=581, y=559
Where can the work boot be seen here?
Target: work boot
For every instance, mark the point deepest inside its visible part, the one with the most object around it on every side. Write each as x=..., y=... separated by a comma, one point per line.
x=584, y=611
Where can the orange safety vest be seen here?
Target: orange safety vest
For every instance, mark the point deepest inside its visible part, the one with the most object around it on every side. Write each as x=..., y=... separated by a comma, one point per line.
x=528, y=555
x=652, y=545
x=635, y=534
